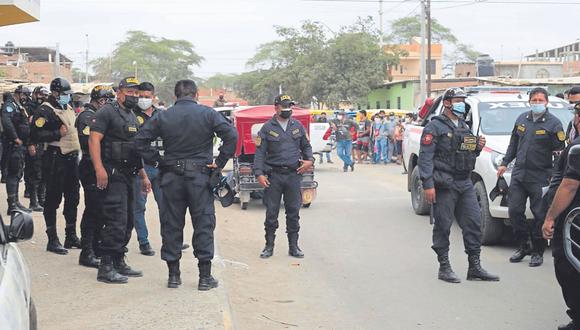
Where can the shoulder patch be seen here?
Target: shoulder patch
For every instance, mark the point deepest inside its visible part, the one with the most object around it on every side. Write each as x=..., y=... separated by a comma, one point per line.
x=521, y=128
x=9, y=108
x=87, y=130
x=258, y=141
x=40, y=122
x=427, y=139
x=296, y=131
x=140, y=120
x=561, y=136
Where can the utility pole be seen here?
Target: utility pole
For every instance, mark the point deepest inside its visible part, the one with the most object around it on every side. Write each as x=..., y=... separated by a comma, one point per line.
x=381, y=27
x=428, y=12
x=57, y=61
x=422, y=70
x=87, y=61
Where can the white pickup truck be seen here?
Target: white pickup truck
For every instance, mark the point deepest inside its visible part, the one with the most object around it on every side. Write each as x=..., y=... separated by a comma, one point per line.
x=497, y=110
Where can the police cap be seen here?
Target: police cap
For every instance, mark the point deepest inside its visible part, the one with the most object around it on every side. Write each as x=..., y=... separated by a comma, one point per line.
x=22, y=89
x=454, y=92
x=60, y=85
x=129, y=82
x=101, y=92
x=284, y=100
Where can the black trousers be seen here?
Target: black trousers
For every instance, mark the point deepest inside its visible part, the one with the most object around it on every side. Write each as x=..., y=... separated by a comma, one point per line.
x=14, y=168
x=118, y=217
x=61, y=178
x=92, y=219
x=569, y=280
x=460, y=202
x=33, y=169
x=180, y=193
x=518, y=194
x=287, y=186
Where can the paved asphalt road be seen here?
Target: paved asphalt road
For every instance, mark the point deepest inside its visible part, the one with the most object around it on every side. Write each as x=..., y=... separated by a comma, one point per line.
x=368, y=265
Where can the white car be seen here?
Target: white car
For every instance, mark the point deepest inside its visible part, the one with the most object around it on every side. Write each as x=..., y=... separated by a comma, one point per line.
x=17, y=310
x=496, y=112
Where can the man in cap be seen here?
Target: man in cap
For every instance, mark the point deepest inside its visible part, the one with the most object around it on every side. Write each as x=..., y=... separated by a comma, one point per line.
x=283, y=154
x=112, y=151
x=188, y=174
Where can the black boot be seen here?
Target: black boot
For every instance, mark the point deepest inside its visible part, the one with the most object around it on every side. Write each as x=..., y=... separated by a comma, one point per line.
x=41, y=194
x=146, y=250
x=88, y=258
x=34, y=205
x=538, y=248
x=293, y=248
x=124, y=269
x=269, y=248
x=14, y=205
x=174, y=280
x=206, y=281
x=476, y=272
x=71, y=240
x=523, y=251
x=108, y=274
x=53, y=244
x=445, y=272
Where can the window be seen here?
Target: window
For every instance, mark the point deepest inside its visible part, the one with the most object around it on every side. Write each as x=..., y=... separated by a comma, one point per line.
x=542, y=73
x=378, y=105
x=433, y=66
x=388, y=104
x=399, y=102
x=401, y=67
x=404, y=85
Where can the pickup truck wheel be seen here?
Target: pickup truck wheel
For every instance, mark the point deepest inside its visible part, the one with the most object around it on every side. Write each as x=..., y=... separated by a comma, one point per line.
x=491, y=228
x=32, y=318
x=420, y=205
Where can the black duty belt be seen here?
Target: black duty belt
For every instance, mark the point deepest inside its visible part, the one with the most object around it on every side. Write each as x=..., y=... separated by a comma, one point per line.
x=461, y=176
x=284, y=169
x=183, y=166
x=55, y=149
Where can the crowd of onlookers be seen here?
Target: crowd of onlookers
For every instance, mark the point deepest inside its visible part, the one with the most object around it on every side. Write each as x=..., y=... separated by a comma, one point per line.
x=361, y=138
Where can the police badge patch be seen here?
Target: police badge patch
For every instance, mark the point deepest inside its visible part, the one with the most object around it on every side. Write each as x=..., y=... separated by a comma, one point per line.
x=40, y=122
x=561, y=136
x=427, y=139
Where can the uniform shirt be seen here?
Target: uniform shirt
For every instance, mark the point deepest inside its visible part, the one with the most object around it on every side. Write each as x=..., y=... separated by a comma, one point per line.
x=276, y=147
x=142, y=118
x=117, y=124
x=532, y=144
x=343, y=129
x=187, y=130
x=436, y=150
x=83, y=125
x=15, y=121
x=45, y=124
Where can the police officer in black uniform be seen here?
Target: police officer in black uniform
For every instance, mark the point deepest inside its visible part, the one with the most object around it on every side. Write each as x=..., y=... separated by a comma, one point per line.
x=446, y=159
x=563, y=195
x=54, y=125
x=91, y=221
x=16, y=133
x=283, y=154
x=186, y=168
x=33, y=160
x=536, y=135
x=112, y=151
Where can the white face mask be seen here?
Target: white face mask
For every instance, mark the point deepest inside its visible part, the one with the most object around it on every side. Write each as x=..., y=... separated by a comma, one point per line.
x=144, y=103
x=339, y=117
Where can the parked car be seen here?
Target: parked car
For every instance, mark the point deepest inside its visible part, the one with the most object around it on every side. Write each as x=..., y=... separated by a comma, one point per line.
x=493, y=113
x=17, y=310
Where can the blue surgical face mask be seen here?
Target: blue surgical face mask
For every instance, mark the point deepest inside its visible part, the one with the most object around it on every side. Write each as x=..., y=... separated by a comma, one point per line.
x=458, y=108
x=538, y=108
x=64, y=99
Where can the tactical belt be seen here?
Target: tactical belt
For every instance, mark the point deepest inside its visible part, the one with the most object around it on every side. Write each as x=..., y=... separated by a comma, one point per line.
x=183, y=166
x=284, y=169
x=55, y=149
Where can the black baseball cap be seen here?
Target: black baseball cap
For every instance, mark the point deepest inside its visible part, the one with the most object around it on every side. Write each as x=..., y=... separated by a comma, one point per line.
x=129, y=82
x=284, y=100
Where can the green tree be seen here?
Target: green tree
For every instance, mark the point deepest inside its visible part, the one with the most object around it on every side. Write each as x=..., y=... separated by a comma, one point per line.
x=157, y=60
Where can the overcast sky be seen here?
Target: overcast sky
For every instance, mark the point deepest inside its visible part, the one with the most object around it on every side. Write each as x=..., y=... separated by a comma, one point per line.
x=227, y=32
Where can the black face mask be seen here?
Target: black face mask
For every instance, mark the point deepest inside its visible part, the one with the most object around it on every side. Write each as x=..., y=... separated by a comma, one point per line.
x=130, y=102
x=286, y=114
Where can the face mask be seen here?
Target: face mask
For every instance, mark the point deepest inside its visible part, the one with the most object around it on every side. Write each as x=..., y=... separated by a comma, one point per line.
x=538, y=108
x=286, y=113
x=458, y=109
x=130, y=102
x=145, y=103
x=339, y=117
x=378, y=120
x=63, y=100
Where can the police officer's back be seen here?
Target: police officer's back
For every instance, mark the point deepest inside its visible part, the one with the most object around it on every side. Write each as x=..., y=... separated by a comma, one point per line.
x=283, y=154
x=187, y=130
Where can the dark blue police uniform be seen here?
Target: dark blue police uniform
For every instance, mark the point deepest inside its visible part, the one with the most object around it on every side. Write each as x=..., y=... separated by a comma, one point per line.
x=446, y=159
x=278, y=155
x=532, y=144
x=33, y=165
x=187, y=130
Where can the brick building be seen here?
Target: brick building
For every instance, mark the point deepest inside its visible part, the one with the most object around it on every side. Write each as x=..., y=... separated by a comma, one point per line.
x=35, y=64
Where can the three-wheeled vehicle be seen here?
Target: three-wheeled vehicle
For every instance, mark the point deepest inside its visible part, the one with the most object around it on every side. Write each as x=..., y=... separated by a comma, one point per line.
x=249, y=121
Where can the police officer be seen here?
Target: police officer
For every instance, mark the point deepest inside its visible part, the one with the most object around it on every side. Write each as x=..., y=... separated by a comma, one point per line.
x=33, y=160
x=446, y=159
x=536, y=135
x=186, y=168
x=54, y=125
x=91, y=221
x=283, y=154
x=112, y=151
x=16, y=134
x=563, y=196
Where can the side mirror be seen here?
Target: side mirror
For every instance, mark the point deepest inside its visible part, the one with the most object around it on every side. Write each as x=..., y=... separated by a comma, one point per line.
x=574, y=158
x=21, y=227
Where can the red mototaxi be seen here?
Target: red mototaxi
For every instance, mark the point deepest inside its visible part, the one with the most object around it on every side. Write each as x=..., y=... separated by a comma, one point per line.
x=248, y=121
